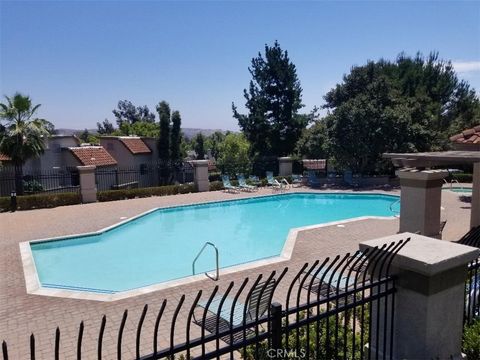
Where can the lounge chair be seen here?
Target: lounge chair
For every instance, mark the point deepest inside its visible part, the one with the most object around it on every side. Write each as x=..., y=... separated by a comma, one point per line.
x=297, y=180
x=227, y=185
x=313, y=181
x=234, y=315
x=273, y=182
x=242, y=184
x=471, y=238
x=349, y=179
x=254, y=180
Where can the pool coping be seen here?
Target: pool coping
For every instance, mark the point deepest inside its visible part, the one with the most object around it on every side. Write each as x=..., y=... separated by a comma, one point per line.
x=34, y=286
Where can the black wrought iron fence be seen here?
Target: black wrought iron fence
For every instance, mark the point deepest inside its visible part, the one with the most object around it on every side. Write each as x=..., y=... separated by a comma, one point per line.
x=472, y=283
x=142, y=176
x=30, y=182
x=327, y=309
x=257, y=167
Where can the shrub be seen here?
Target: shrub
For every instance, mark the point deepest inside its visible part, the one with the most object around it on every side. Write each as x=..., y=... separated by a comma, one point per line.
x=112, y=195
x=215, y=176
x=40, y=201
x=216, y=185
x=463, y=177
x=32, y=186
x=471, y=340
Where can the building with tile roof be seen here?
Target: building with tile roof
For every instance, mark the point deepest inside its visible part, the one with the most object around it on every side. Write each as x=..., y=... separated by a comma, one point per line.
x=131, y=151
x=468, y=139
x=89, y=155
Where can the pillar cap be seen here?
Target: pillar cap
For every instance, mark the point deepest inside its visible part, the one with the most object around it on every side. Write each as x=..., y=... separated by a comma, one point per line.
x=86, y=168
x=425, y=255
x=416, y=174
x=285, y=159
x=199, y=162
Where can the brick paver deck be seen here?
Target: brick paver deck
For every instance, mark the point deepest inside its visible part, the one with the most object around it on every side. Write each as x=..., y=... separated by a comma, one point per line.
x=22, y=314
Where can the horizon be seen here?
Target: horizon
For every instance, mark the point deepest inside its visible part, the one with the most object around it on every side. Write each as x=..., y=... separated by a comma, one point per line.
x=79, y=59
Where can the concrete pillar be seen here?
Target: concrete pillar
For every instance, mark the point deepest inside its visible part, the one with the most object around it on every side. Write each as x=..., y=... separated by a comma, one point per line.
x=200, y=175
x=475, y=212
x=429, y=298
x=420, y=200
x=285, y=165
x=88, y=187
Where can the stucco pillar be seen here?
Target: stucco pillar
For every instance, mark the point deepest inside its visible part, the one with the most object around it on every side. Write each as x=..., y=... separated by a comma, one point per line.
x=88, y=187
x=200, y=176
x=420, y=201
x=285, y=165
x=429, y=298
x=475, y=212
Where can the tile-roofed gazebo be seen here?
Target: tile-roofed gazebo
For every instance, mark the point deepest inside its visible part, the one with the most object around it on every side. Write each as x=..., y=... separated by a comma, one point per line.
x=4, y=157
x=93, y=155
x=467, y=139
x=135, y=145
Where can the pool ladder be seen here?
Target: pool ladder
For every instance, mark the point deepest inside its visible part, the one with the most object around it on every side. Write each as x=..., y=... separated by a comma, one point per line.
x=217, y=275
x=396, y=213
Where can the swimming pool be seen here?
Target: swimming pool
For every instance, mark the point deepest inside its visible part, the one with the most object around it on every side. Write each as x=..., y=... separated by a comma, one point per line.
x=460, y=189
x=161, y=245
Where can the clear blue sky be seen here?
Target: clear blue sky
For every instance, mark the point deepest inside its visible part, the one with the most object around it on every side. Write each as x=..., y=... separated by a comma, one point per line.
x=79, y=58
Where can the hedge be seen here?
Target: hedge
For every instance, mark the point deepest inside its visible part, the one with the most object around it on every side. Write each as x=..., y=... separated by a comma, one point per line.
x=463, y=177
x=471, y=341
x=39, y=201
x=112, y=195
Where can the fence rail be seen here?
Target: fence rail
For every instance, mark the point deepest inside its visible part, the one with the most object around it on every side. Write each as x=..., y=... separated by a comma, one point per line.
x=30, y=182
x=324, y=310
x=145, y=175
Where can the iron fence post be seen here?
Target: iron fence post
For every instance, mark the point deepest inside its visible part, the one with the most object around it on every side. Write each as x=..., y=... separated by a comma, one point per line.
x=276, y=327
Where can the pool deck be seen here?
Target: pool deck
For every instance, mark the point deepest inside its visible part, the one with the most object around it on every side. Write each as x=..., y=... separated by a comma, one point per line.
x=22, y=313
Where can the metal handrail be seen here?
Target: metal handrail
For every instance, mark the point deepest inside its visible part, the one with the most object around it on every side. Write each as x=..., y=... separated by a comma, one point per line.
x=391, y=207
x=217, y=275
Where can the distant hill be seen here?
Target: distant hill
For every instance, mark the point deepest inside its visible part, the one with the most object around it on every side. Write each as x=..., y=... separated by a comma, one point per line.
x=187, y=132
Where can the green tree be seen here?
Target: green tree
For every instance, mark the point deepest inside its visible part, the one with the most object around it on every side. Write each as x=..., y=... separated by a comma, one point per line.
x=128, y=113
x=176, y=137
x=84, y=135
x=411, y=104
x=273, y=124
x=312, y=143
x=139, y=128
x=24, y=134
x=200, y=146
x=214, y=142
x=233, y=155
x=105, y=127
x=163, y=110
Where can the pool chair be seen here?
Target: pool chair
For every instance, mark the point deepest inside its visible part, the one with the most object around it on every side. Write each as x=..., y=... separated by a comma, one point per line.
x=297, y=180
x=313, y=180
x=242, y=184
x=254, y=180
x=275, y=184
x=471, y=238
x=233, y=313
x=227, y=185
x=349, y=179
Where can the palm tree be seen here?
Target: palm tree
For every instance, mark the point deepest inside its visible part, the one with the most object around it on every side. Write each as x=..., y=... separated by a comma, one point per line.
x=23, y=136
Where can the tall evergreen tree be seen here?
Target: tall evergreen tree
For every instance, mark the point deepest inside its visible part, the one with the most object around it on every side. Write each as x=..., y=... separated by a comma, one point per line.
x=200, y=146
x=163, y=110
x=273, y=124
x=175, y=137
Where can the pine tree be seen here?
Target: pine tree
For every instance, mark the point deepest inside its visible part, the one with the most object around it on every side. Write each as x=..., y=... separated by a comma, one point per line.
x=273, y=100
x=163, y=110
x=175, y=137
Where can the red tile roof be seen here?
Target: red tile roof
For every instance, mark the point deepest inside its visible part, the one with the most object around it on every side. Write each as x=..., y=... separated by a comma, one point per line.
x=4, y=157
x=93, y=155
x=135, y=145
x=469, y=136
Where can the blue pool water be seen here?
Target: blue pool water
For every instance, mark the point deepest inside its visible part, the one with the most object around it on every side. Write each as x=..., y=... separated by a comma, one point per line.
x=161, y=245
